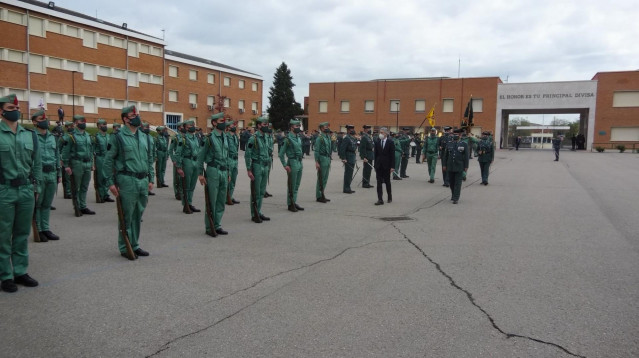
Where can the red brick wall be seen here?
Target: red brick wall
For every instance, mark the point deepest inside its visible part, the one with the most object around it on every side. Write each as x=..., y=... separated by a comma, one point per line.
x=607, y=116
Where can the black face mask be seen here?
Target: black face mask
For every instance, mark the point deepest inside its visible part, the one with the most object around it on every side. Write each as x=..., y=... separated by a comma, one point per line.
x=103, y=128
x=82, y=126
x=264, y=129
x=11, y=116
x=455, y=137
x=351, y=132
x=43, y=125
x=233, y=129
x=327, y=130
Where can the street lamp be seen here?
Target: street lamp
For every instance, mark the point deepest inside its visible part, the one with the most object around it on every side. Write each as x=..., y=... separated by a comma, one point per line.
x=73, y=90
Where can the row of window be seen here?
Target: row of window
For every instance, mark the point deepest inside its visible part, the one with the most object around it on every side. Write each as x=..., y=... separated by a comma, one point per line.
x=39, y=27
x=210, y=78
x=394, y=106
x=90, y=104
x=210, y=102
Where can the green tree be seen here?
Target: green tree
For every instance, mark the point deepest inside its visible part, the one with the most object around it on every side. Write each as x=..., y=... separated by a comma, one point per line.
x=282, y=105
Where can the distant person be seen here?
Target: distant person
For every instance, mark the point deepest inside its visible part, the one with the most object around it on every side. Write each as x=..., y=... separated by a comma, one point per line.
x=455, y=163
x=60, y=114
x=384, y=154
x=573, y=141
x=517, y=142
x=556, y=144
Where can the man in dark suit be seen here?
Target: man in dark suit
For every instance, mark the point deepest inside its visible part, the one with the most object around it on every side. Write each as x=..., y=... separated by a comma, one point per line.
x=384, y=164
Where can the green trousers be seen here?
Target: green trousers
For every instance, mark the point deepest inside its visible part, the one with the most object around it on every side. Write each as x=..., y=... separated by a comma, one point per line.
x=16, y=211
x=233, y=173
x=325, y=168
x=190, y=176
x=103, y=190
x=398, y=161
x=177, y=183
x=161, y=168
x=366, y=173
x=295, y=177
x=431, y=159
x=134, y=194
x=82, y=174
x=260, y=172
x=349, y=167
x=47, y=189
x=217, y=181
x=455, y=180
x=67, y=183
x=404, y=165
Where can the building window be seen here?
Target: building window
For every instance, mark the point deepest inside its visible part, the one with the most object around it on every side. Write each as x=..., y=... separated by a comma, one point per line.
x=132, y=49
x=210, y=78
x=15, y=56
x=118, y=103
x=118, y=73
x=394, y=105
x=254, y=86
x=323, y=106
x=103, y=39
x=173, y=96
x=193, y=75
x=156, y=51
x=227, y=81
x=15, y=17
x=173, y=71
x=210, y=102
x=55, y=27
x=156, y=80
x=369, y=106
x=227, y=102
x=36, y=27
x=478, y=105
x=72, y=66
x=90, y=105
x=254, y=107
x=104, y=103
x=625, y=99
x=54, y=63
x=145, y=77
x=102, y=71
x=240, y=84
x=88, y=39
x=447, y=105
x=145, y=49
x=56, y=98
x=118, y=42
x=36, y=64
x=133, y=79
x=90, y=72
x=193, y=98
x=240, y=104
x=345, y=106
x=72, y=31
x=628, y=134
x=420, y=105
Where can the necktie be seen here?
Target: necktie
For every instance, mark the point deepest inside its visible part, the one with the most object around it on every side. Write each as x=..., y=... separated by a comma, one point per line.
x=383, y=143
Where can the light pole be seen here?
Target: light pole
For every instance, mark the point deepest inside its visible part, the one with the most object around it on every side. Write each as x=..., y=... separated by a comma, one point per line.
x=73, y=91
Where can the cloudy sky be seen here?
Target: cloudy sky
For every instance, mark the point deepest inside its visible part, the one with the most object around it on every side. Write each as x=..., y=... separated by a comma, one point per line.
x=359, y=40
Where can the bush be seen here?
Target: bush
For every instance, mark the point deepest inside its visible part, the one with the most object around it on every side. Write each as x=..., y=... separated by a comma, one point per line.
x=621, y=147
x=600, y=149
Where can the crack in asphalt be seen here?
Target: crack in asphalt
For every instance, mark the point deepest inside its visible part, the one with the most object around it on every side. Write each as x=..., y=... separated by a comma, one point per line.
x=167, y=345
x=472, y=300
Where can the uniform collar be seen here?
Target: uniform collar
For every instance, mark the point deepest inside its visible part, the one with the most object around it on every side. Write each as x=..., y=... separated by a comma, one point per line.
x=5, y=127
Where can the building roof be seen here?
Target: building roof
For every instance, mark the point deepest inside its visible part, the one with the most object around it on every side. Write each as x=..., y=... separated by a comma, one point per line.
x=204, y=61
x=51, y=7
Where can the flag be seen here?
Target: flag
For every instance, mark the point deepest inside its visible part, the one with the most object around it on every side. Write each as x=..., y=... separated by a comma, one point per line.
x=431, y=117
x=468, y=114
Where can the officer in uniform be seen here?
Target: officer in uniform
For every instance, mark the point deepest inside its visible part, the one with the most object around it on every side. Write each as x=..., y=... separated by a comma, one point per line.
x=146, y=129
x=466, y=139
x=346, y=153
x=161, y=150
x=215, y=153
x=50, y=175
x=186, y=155
x=100, y=143
x=366, y=153
x=398, y=155
x=404, y=141
x=77, y=160
x=257, y=163
x=556, y=145
x=486, y=156
x=116, y=127
x=233, y=144
x=62, y=142
x=20, y=176
x=323, y=151
x=443, y=143
x=173, y=146
x=129, y=161
x=455, y=162
x=271, y=146
x=430, y=152
x=292, y=149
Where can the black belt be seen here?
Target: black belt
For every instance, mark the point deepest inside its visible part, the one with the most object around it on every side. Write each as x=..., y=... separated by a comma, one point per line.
x=218, y=167
x=140, y=175
x=84, y=160
x=48, y=168
x=17, y=182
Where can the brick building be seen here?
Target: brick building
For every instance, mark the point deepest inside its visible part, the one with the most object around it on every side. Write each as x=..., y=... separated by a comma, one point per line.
x=617, y=113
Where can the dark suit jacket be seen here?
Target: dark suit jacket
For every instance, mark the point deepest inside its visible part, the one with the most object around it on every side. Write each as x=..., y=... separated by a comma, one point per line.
x=384, y=159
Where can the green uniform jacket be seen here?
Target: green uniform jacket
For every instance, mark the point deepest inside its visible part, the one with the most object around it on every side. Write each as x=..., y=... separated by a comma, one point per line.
x=366, y=147
x=50, y=156
x=257, y=150
x=79, y=146
x=100, y=144
x=347, y=148
x=173, y=146
x=455, y=157
x=291, y=148
x=214, y=152
x=431, y=145
x=129, y=153
x=187, y=148
x=322, y=146
x=486, y=151
x=233, y=144
x=161, y=144
x=19, y=154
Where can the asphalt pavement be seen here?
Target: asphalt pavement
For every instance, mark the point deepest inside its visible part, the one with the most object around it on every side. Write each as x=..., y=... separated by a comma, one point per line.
x=542, y=262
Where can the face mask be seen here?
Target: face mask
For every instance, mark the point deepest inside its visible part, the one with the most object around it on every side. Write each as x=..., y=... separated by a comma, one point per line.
x=136, y=121
x=381, y=137
x=82, y=126
x=69, y=130
x=103, y=128
x=191, y=129
x=43, y=125
x=297, y=130
x=368, y=131
x=351, y=132
x=221, y=126
x=264, y=129
x=234, y=129
x=11, y=116
x=455, y=137
x=146, y=130
x=327, y=130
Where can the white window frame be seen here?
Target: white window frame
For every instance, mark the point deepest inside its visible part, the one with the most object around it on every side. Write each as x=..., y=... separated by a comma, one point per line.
x=345, y=106
x=366, y=105
x=323, y=104
x=254, y=86
x=227, y=81
x=173, y=96
x=420, y=105
x=240, y=84
x=448, y=105
x=193, y=75
x=395, y=105
x=210, y=78
x=174, y=71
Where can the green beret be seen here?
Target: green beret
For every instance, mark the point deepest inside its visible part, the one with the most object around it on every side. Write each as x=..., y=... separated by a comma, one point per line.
x=160, y=128
x=190, y=121
x=38, y=114
x=230, y=122
x=78, y=117
x=129, y=109
x=67, y=124
x=102, y=121
x=145, y=124
x=216, y=116
x=116, y=125
x=12, y=98
x=323, y=124
x=293, y=122
x=262, y=120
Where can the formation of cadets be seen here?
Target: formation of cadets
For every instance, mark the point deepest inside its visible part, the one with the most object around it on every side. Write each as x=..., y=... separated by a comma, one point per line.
x=128, y=162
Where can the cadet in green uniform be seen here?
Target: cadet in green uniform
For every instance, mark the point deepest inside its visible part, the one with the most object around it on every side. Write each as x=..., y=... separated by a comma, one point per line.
x=257, y=163
x=270, y=140
x=466, y=139
x=291, y=157
x=177, y=184
x=50, y=158
x=100, y=143
x=161, y=150
x=366, y=153
x=129, y=164
x=443, y=143
x=77, y=159
x=398, y=154
x=486, y=152
x=347, y=149
x=146, y=129
x=323, y=151
x=186, y=155
x=455, y=162
x=430, y=152
x=404, y=141
x=62, y=142
x=20, y=166
x=233, y=144
x=215, y=153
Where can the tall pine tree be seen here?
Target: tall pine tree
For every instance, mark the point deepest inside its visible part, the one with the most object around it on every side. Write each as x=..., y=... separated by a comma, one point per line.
x=282, y=105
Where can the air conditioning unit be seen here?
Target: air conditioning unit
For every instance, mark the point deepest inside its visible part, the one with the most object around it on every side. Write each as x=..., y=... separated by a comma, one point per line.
x=211, y=107
x=241, y=110
x=255, y=111
x=193, y=105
